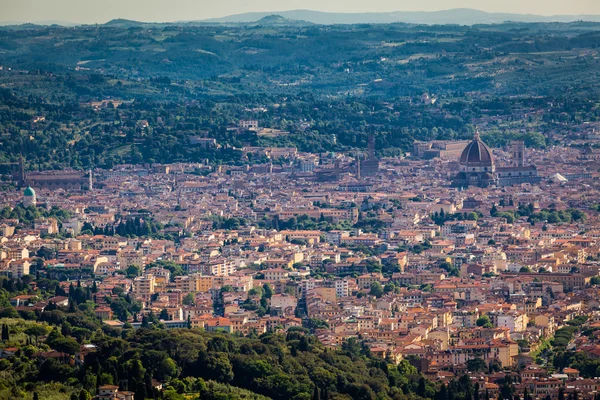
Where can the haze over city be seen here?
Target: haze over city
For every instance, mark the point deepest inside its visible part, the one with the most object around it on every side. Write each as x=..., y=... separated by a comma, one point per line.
x=87, y=11
x=299, y=200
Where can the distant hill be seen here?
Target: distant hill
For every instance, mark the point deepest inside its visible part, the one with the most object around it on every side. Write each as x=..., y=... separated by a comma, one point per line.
x=462, y=16
x=38, y=23
x=278, y=20
x=125, y=23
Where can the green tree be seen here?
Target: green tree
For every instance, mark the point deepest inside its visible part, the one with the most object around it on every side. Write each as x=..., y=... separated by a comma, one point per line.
x=66, y=345
x=163, y=367
x=188, y=299
x=36, y=331
x=484, y=321
x=421, y=388
x=267, y=291
x=5, y=333
x=476, y=365
x=493, y=211
x=132, y=271
x=164, y=314
x=218, y=367
x=84, y=395
x=376, y=289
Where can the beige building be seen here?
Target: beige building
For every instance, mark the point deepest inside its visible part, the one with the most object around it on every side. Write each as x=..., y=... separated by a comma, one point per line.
x=194, y=283
x=130, y=257
x=283, y=301
x=19, y=268
x=144, y=285
x=18, y=253
x=275, y=274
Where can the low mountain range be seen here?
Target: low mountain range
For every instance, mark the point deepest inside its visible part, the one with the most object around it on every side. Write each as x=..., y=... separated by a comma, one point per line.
x=462, y=16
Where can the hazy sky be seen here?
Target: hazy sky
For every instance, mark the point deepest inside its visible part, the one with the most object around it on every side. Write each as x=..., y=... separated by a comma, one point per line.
x=91, y=11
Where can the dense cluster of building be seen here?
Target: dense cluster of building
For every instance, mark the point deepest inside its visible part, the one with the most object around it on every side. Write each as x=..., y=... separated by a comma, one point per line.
x=437, y=259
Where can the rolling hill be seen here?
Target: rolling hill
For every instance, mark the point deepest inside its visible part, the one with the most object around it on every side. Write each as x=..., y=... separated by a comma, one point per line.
x=462, y=16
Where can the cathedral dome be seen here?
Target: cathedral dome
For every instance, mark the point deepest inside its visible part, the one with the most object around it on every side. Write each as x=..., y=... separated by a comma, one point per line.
x=477, y=154
x=29, y=191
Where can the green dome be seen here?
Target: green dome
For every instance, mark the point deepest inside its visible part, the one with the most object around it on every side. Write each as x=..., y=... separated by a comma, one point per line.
x=29, y=191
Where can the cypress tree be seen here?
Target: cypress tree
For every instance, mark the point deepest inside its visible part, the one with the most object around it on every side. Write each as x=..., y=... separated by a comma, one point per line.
x=316, y=395
x=421, y=387
x=84, y=395
x=442, y=394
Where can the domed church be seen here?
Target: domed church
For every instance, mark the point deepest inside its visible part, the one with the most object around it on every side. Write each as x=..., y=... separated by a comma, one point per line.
x=476, y=166
x=29, y=198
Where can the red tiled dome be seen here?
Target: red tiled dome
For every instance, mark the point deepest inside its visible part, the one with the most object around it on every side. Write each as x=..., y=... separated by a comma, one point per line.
x=477, y=153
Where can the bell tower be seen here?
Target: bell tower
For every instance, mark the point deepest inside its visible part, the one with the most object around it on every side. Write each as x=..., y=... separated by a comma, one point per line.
x=518, y=153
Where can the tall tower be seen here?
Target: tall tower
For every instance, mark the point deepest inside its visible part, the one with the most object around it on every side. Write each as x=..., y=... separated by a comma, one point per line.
x=91, y=181
x=22, y=174
x=370, y=166
x=518, y=153
x=371, y=146
x=357, y=167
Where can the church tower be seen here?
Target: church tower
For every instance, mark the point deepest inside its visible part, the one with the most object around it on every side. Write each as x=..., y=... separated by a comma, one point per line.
x=22, y=174
x=518, y=153
x=370, y=166
x=371, y=145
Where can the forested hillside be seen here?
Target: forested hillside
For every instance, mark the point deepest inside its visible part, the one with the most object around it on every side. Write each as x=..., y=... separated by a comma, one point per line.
x=326, y=87
x=71, y=346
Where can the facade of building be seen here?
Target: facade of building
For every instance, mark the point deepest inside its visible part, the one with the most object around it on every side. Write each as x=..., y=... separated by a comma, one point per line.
x=477, y=167
x=370, y=166
x=439, y=148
